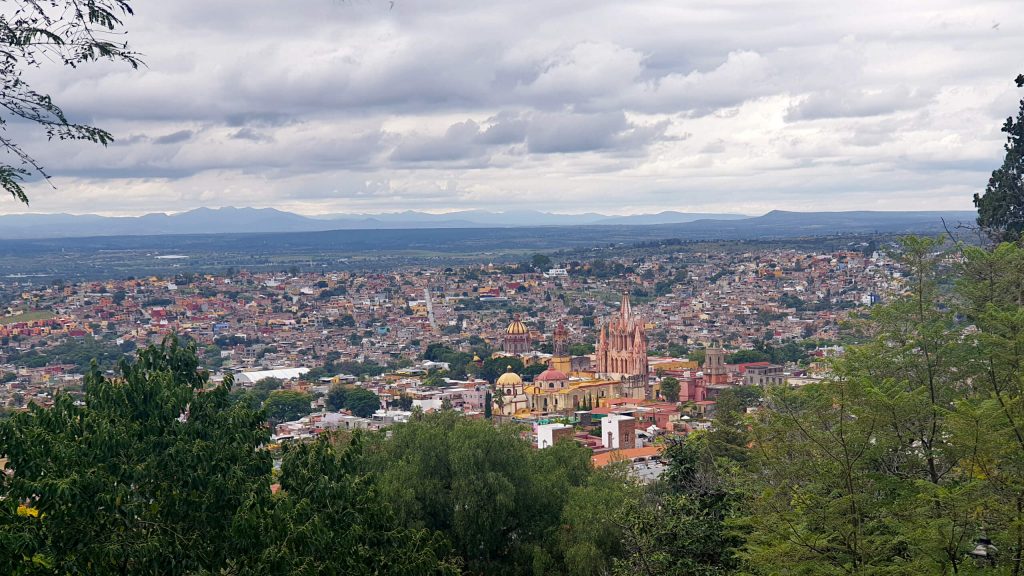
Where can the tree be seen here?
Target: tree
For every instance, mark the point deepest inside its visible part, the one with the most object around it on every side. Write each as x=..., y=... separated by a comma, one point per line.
x=744, y=356
x=337, y=396
x=498, y=500
x=912, y=449
x=287, y=405
x=147, y=476
x=696, y=355
x=589, y=543
x=331, y=519
x=404, y=402
x=681, y=529
x=1001, y=207
x=69, y=32
x=670, y=389
x=581, y=349
x=728, y=437
x=156, y=474
x=540, y=262
x=494, y=367
x=362, y=402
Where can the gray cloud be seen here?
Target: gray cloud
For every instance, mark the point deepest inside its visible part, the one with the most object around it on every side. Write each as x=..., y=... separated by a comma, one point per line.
x=330, y=105
x=174, y=137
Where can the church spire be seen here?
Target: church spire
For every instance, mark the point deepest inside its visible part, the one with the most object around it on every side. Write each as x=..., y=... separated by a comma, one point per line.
x=625, y=310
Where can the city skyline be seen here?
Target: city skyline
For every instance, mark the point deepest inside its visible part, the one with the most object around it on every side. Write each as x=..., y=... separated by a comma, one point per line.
x=571, y=107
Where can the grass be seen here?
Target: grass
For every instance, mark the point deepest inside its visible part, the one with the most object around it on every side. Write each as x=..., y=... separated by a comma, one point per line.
x=26, y=317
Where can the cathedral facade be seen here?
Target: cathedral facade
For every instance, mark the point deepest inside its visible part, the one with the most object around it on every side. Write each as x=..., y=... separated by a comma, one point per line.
x=622, y=350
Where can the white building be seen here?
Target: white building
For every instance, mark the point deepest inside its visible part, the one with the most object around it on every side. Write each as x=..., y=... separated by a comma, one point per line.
x=548, y=434
x=618, y=431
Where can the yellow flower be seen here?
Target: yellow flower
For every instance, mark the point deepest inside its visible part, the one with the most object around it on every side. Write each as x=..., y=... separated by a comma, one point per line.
x=27, y=511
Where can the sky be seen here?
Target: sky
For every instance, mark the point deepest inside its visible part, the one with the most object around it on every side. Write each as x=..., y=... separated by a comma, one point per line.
x=619, y=107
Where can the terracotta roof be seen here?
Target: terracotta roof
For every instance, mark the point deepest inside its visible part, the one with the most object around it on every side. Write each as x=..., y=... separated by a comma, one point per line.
x=551, y=375
x=606, y=458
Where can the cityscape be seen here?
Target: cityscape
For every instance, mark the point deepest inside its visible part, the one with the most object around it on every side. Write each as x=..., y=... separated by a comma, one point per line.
x=513, y=288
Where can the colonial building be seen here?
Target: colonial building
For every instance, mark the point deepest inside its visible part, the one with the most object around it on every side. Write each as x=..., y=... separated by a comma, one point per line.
x=553, y=391
x=622, y=351
x=509, y=396
x=517, y=337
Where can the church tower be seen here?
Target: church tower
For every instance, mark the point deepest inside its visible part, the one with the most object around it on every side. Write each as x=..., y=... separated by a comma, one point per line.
x=561, y=359
x=714, y=368
x=622, y=349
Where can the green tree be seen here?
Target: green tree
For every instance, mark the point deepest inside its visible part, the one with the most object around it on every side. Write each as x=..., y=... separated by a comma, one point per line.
x=493, y=368
x=499, y=500
x=881, y=467
x=670, y=389
x=541, y=262
x=581, y=349
x=1001, y=207
x=729, y=437
x=592, y=535
x=696, y=355
x=744, y=356
x=331, y=519
x=681, y=529
x=362, y=402
x=286, y=405
x=68, y=32
x=145, y=477
x=337, y=396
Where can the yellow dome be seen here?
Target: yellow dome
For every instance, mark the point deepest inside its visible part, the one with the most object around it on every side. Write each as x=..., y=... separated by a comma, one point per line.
x=516, y=327
x=509, y=378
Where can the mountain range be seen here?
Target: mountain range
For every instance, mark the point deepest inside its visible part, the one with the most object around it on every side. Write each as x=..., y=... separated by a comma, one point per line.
x=270, y=220
x=243, y=220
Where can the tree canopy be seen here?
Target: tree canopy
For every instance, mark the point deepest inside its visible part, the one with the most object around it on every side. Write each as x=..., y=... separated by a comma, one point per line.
x=1001, y=207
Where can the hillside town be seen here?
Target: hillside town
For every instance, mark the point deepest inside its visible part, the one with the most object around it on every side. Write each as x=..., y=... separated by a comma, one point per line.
x=569, y=348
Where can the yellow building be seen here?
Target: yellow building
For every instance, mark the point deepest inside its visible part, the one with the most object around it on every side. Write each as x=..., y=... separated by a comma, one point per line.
x=509, y=397
x=552, y=391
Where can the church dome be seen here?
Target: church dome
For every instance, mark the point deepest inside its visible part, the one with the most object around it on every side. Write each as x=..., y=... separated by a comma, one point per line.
x=516, y=327
x=551, y=375
x=509, y=378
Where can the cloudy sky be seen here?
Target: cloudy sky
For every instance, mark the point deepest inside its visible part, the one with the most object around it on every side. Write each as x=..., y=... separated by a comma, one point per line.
x=322, y=106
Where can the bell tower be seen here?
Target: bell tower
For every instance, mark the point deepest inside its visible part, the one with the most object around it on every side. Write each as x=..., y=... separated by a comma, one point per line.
x=714, y=368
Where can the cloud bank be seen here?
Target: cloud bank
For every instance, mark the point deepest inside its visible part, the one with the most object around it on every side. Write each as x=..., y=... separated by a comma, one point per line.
x=564, y=105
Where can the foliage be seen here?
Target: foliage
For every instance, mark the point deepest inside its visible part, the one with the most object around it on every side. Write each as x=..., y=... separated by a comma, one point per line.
x=79, y=352
x=337, y=396
x=335, y=366
x=498, y=500
x=362, y=402
x=286, y=405
x=146, y=477
x=913, y=449
x=330, y=519
x=744, y=356
x=682, y=529
x=697, y=355
x=71, y=33
x=670, y=389
x=1001, y=207
x=581, y=349
x=541, y=262
x=493, y=368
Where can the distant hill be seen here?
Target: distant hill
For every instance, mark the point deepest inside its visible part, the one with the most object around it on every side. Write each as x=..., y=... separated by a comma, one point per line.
x=247, y=220
x=269, y=220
